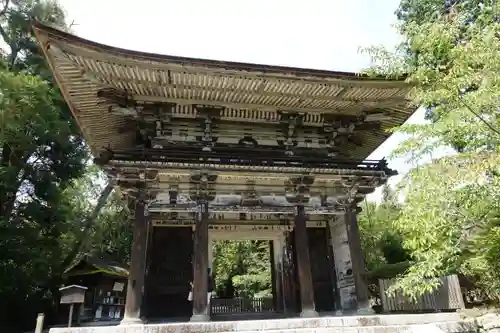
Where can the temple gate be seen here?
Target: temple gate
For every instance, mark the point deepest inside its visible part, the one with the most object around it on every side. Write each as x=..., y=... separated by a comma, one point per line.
x=198, y=147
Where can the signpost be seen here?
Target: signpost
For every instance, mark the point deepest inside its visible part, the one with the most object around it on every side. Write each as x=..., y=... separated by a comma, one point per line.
x=72, y=295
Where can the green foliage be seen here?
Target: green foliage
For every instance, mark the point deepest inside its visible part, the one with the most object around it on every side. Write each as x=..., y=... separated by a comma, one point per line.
x=378, y=233
x=46, y=189
x=451, y=212
x=253, y=285
x=36, y=163
x=242, y=268
x=388, y=271
x=449, y=219
x=15, y=30
x=110, y=235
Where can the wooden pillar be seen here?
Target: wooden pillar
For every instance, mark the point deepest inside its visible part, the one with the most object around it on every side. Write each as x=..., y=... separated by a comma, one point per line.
x=211, y=256
x=135, y=285
x=358, y=262
x=200, y=276
x=304, y=265
x=288, y=275
x=273, y=274
x=277, y=254
x=343, y=264
x=333, y=272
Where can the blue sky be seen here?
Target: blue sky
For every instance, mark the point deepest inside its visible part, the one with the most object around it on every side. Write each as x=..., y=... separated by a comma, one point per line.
x=323, y=34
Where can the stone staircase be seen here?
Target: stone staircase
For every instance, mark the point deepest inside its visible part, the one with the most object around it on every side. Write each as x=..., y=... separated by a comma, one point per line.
x=426, y=323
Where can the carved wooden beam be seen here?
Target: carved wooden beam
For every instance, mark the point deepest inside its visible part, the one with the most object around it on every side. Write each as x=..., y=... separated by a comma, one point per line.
x=290, y=122
x=298, y=189
x=208, y=115
x=202, y=186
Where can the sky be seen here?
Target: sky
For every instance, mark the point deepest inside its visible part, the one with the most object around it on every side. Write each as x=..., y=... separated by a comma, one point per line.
x=320, y=34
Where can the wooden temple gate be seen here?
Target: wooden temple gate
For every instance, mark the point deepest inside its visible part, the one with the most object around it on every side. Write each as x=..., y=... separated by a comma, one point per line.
x=198, y=145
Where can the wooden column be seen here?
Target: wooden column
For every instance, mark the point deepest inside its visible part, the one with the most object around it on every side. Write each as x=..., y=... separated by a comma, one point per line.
x=277, y=255
x=135, y=285
x=288, y=274
x=358, y=262
x=333, y=271
x=211, y=256
x=273, y=275
x=304, y=265
x=200, y=276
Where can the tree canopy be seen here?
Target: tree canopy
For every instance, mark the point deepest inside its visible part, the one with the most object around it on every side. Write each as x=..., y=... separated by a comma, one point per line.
x=47, y=188
x=450, y=216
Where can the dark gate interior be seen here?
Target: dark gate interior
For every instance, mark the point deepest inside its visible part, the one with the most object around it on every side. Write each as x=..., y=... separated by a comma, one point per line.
x=321, y=269
x=169, y=270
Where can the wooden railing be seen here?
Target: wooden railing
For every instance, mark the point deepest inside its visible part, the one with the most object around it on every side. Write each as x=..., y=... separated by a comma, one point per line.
x=241, y=305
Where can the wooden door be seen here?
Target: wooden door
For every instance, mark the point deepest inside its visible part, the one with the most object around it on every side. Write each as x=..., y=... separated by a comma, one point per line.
x=169, y=272
x=321, y=269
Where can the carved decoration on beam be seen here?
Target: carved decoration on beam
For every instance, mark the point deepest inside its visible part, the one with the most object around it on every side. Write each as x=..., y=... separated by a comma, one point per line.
x=298, y=189
x=339, y=129
x=159, y=119
x=137, y=179
x=352, y=193
x=179, y=191
x=250, y=198
x=151, y=120
x=202, y=186
x=208, y=115
x=132, y=196
x=267, y=210
x=147, y=120
x=290, y=123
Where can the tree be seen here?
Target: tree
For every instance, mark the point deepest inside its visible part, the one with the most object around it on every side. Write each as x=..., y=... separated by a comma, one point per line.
x=449, y=220
x=376, y=223
x=102, y=229
x=242, y=268
x=41, y=153
x=40, y=144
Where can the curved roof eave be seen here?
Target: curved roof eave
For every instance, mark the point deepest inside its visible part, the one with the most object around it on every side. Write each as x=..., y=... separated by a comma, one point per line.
x=207, y=63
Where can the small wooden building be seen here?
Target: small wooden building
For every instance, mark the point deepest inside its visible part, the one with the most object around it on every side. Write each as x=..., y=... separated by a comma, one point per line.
x=107, y=285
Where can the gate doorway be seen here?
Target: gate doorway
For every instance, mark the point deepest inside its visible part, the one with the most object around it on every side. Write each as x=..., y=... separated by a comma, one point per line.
x=243, y=272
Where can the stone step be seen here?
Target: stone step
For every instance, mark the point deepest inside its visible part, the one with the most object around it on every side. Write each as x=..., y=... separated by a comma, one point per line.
x=444, y=327
x=330, y=321
x=428, y=323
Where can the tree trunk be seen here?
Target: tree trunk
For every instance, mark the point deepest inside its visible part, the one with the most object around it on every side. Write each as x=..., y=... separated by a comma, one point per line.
x=89, y=222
